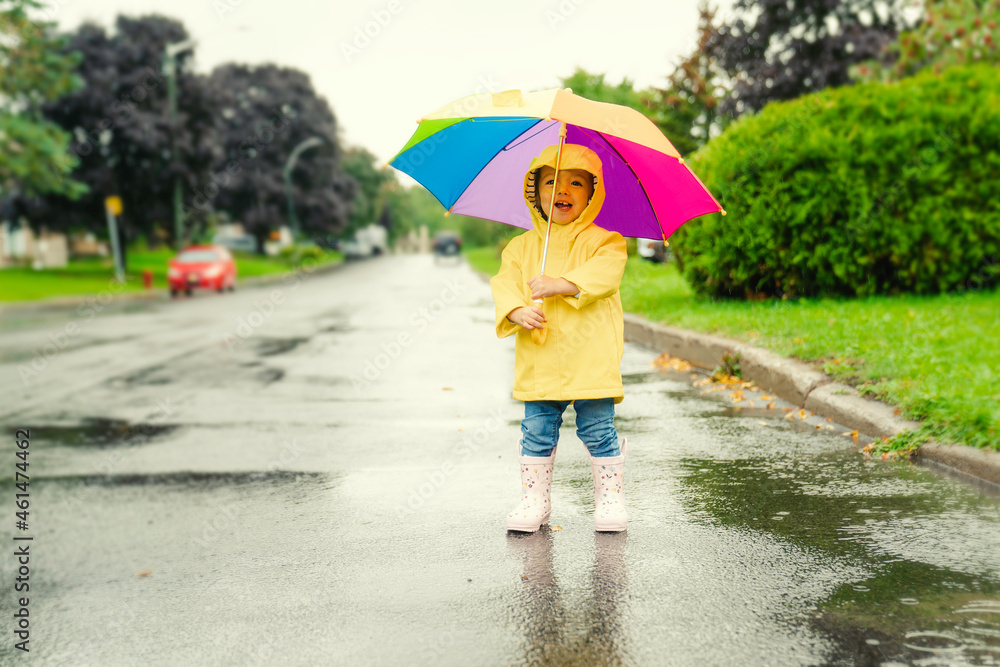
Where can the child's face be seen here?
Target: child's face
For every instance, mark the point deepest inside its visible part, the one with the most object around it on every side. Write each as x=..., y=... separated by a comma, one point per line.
x=573, y=191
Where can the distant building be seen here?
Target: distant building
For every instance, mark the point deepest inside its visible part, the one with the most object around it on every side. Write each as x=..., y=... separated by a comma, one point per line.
x=19, y=245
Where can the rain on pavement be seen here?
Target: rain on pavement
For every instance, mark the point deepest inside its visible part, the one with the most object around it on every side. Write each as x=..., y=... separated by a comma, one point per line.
x=317, y=472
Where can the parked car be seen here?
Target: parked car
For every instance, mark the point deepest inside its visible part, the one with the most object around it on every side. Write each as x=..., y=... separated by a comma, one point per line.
x=369, y=241
x=654, y=251
x=446, y=243
x=202, y=267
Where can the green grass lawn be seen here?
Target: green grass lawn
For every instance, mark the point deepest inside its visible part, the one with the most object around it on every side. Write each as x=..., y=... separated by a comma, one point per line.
x=95, y=275
x=937, y=357
x=484, y=260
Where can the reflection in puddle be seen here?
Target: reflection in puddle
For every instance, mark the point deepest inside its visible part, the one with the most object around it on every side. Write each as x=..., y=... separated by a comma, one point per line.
x=923, y=602
x=557, y=632
x=644, y=378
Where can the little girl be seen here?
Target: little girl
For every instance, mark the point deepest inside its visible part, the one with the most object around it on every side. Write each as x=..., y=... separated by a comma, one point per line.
x=578, y=359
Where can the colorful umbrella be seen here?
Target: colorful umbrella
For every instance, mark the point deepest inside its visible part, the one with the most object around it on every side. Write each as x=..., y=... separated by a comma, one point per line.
x=472, y=155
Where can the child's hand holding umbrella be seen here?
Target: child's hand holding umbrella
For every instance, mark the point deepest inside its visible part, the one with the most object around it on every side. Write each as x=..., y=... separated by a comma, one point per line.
x=543, y=286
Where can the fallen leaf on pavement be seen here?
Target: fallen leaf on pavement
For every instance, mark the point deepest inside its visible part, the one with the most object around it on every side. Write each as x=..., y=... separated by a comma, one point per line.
x=766, y=397
x=665, y=362
x=446, y=389
x=854, y=435
x=144, y=573
x=770, y=406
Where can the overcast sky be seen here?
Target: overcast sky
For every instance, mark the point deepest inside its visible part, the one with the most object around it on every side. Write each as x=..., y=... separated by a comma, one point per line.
x=382, y=64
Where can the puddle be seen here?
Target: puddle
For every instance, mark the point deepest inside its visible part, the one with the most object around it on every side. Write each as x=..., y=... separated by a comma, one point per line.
x=922, y=598
x=270, y=375
x=643, y=378
x=326, y=381
x=195, y=479
x=269, y=347
x=154, y=375
x=334, y=322
x=98, y=432
x=955, y=621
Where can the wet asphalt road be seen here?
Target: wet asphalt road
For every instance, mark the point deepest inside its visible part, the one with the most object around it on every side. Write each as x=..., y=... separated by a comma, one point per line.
x=317, y=472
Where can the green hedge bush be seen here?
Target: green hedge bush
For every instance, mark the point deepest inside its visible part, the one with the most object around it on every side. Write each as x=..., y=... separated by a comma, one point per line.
x=870, y=189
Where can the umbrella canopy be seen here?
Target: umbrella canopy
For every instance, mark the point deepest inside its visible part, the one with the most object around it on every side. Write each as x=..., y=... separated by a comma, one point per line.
x=472, y=155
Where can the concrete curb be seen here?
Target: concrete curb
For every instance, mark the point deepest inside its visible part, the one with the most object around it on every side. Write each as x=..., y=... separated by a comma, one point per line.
x=808, y=388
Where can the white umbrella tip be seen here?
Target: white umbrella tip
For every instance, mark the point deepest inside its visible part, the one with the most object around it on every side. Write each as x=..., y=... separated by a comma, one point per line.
x=568, y=90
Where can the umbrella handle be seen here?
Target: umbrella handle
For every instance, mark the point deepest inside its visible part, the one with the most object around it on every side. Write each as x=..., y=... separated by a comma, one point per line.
x=539, y=335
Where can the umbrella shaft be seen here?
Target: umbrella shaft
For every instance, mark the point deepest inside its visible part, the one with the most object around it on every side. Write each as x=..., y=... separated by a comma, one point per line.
x=552, y=199
x=545, y=248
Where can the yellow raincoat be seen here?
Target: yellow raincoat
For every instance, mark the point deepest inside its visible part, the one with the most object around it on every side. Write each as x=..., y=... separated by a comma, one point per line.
x=581, y=356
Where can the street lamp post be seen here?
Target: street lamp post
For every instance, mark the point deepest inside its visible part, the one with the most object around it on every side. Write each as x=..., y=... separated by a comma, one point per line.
x=170, y=69
x=289, y=166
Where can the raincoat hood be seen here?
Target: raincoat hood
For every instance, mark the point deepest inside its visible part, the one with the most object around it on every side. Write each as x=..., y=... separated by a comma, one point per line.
x=574, y=156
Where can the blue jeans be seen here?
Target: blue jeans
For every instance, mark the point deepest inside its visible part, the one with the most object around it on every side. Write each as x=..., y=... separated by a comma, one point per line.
x=595, y=424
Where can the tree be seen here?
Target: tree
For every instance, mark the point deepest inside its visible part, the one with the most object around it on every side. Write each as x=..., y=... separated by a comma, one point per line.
x=265, y=112
x=385, y=218
x=34, y=69
x=123, y=136
x=370, y=182
x=781, y=49
x=695, y=88
x=953, y=32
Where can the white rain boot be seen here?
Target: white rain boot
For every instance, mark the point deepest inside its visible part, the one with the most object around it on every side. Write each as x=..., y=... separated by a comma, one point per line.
x=536, y=483
x=609, y=494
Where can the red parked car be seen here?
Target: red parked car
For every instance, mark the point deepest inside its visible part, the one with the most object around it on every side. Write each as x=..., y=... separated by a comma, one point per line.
x=202, y=266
